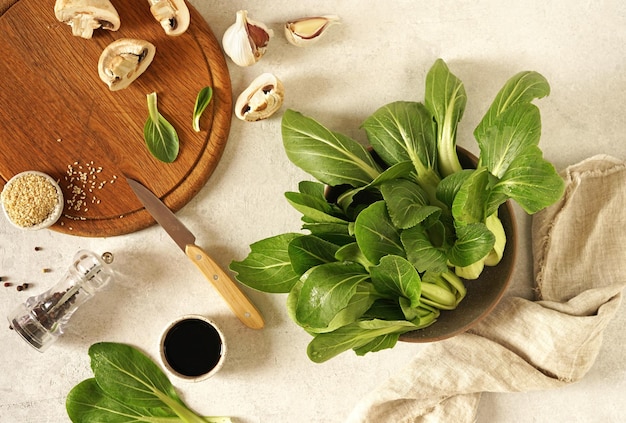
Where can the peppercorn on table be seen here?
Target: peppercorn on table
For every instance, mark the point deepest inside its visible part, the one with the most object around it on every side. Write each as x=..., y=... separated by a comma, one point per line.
x=378, y=53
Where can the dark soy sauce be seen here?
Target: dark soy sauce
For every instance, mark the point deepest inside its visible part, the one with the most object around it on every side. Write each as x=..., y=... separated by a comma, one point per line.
x=192, y=347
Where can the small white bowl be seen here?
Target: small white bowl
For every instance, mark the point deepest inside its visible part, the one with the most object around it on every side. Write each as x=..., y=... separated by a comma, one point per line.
x=52, y=217
x=189, y=354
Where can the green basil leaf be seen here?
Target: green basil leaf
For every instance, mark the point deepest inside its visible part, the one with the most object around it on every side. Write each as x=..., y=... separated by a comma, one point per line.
x=202, y=101
x=268, y=268
x=330, y=157
x=160, y=136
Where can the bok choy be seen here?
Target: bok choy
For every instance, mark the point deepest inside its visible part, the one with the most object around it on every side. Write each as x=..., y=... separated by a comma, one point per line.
x=393, y=229
x=128, y=387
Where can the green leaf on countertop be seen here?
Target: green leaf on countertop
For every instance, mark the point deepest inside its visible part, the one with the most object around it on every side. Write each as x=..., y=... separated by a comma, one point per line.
x=128, y=387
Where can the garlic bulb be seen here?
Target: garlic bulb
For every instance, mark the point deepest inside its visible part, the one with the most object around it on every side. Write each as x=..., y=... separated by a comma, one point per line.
x=261, y=99
x=245, y=41
x=305, y=31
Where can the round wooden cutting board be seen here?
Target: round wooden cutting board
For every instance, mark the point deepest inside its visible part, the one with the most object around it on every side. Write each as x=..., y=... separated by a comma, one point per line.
x=58, y=117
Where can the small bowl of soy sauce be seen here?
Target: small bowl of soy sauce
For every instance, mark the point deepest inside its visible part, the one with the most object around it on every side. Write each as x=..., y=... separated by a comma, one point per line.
x=193, y=348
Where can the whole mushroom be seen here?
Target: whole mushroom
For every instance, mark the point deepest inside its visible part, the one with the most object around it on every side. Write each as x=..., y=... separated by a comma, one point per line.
x=86, y=15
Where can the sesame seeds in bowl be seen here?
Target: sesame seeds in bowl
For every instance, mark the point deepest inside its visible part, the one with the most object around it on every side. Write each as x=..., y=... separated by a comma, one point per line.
x=32, y=200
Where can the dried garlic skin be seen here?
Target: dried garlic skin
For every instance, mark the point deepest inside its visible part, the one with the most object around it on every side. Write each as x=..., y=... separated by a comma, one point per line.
x=245, y=41
x=306, y=31
x=173, y=15
x=86, y=15
x=261, y=99
x=123, y=61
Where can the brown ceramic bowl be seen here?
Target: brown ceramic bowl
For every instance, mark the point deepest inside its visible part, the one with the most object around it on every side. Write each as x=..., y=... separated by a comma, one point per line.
x=483, y=293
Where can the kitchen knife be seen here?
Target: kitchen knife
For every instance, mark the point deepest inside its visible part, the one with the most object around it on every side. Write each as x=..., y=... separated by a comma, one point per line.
x=228, y=289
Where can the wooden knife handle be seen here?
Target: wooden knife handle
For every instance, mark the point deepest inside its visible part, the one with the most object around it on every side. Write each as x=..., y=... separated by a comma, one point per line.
x=228, y=289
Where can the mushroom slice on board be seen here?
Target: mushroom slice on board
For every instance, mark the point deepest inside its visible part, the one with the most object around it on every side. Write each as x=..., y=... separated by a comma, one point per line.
x=86, y=15
x=123, y=61
x=261, y=99
x=172, y=14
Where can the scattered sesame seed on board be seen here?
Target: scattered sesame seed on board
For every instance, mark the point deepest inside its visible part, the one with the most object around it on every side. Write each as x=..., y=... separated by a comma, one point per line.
x=83, y=183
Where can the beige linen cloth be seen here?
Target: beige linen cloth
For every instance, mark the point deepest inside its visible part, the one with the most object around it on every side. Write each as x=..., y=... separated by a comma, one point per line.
x=528, y=345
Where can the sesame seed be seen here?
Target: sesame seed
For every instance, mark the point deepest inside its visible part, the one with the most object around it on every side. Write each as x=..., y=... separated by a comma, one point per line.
x=29, y=200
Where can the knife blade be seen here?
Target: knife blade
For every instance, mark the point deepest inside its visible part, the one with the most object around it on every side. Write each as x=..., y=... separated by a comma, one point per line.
x=185, y=239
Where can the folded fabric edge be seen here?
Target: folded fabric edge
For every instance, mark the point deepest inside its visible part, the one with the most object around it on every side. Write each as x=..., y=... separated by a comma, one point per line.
x=543, y=222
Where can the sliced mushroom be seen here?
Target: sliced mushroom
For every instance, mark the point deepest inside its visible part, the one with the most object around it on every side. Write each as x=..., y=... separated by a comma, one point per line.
x=123, y=61
x=172, y=14
x=261, y=99
x=86, y=15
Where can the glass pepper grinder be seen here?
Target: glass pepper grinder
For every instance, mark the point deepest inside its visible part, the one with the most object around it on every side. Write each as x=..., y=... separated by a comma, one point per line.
x=41, y=319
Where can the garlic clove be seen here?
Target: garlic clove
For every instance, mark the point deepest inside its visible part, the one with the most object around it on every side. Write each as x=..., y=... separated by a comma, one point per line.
x=261, y=99
x=306, y=31
x=246, y=40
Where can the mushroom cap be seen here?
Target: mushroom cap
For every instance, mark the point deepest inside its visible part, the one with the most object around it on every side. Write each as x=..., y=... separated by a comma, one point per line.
x=132, y=56
x=101, y=10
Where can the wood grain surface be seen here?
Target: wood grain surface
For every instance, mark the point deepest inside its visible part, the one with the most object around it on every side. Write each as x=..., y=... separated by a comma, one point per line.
x=58, y=117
